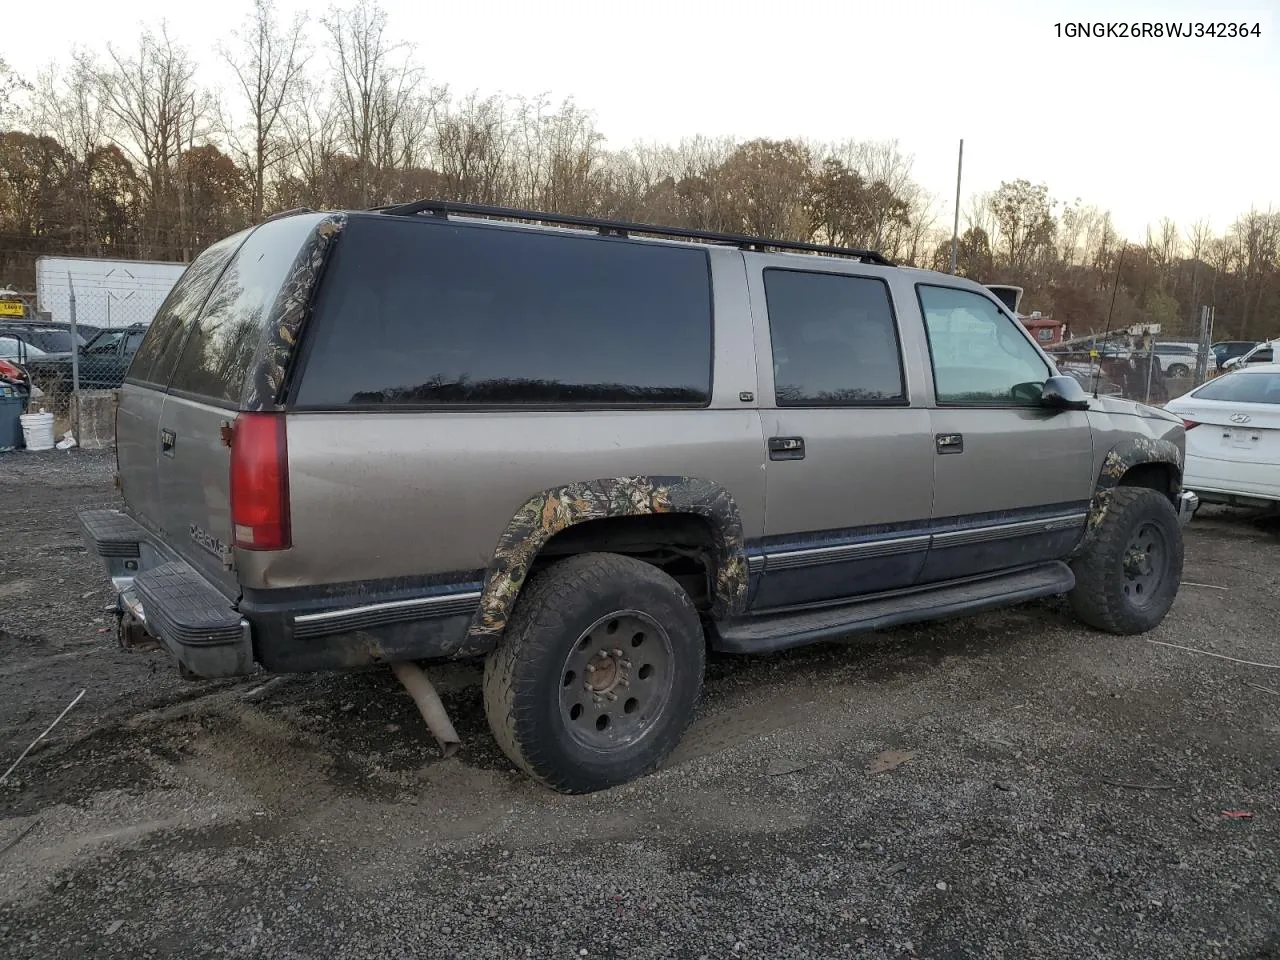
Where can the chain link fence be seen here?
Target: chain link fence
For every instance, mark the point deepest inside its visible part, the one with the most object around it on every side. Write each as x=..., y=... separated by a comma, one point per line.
x=1141, y=365
x=81, y=342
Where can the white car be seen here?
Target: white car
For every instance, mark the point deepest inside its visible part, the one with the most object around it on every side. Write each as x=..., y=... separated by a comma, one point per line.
x=1263, y=352
x=1233, y=437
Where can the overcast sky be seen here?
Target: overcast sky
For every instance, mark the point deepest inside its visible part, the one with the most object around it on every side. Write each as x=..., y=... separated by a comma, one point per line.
x=1185, y=128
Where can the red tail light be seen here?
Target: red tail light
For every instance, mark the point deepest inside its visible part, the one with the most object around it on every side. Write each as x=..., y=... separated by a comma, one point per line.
x=260, y=482
x=1188, y=424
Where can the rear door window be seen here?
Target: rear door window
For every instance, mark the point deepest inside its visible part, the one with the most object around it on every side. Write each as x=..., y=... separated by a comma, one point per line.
x=415, y=313
x=834, y=340
x=159, y=350
x=217, y=355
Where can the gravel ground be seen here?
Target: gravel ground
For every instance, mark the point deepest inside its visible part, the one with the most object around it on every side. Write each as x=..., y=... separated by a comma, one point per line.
x=1059, y=793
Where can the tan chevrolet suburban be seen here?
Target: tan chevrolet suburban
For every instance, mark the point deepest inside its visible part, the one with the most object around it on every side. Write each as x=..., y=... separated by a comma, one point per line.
x=590, y=451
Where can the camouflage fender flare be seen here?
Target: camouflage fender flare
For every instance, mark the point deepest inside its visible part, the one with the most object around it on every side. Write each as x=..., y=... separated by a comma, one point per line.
x=288, y=313
x=1120, y=459
x=559, y=508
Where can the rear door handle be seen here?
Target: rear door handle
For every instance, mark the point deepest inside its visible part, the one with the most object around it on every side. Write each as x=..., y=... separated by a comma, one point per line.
x=949, y=442
x=786, y=448
x=167, y=441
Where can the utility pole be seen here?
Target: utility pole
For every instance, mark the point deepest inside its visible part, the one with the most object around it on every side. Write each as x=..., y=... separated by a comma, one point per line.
x=955, y=230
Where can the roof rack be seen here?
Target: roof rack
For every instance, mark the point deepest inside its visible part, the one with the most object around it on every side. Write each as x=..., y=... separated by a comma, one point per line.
x=624, y=228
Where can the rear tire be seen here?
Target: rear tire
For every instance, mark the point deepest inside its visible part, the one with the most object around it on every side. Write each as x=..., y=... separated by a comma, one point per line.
x=597, y=674
x=1128, y=578
x=1177, y=371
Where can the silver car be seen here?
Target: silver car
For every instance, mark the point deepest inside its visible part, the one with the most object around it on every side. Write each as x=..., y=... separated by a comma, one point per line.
x=590, y=451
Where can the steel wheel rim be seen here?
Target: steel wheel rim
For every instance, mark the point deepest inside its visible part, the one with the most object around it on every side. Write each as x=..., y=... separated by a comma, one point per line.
x=1145, y=564
x=620, y=699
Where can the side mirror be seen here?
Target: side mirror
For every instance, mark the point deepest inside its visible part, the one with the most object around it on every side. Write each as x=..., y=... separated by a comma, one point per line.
x=1064, y=393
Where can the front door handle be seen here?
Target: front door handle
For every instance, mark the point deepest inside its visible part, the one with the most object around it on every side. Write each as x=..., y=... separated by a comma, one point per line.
x=949, y=442
x=167, y=441
x=786, y=448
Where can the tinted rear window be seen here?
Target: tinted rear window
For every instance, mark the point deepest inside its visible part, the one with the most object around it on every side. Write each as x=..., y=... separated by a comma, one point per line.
x=1242, y=388
x=221, y=348
x=159, y=350
x=419, y=313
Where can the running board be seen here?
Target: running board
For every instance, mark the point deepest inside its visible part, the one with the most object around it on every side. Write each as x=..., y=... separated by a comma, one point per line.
x=779, y=631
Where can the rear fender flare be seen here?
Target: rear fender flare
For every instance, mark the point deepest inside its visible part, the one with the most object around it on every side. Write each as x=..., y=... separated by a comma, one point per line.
x=556, y=509
x=1120, y=459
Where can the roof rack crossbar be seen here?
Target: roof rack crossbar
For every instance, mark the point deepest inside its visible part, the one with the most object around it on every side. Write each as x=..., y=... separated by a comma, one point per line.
x=624, y=228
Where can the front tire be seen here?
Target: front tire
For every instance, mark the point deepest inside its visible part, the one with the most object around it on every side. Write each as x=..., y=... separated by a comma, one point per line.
x=1177, y=371
x=1127, y=579
x=597, y=674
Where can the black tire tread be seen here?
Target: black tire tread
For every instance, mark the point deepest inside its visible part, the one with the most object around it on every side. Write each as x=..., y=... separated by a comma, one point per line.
x=1095, y=601
x=529, y=636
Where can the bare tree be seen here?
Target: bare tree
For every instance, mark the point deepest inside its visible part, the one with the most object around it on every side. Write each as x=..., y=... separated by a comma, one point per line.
x=1198, y=239
x=268, y=61
x=11, y=86
x=374, y=80
x=472, y=148
x=311, y=126
x=66, y=105
x=156, y=107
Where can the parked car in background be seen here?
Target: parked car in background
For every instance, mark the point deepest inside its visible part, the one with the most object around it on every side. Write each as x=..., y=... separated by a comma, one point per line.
x=426, y=434
x=1263, y=352
x=102, y=361
x=17, y=351
x=1176, y=359
x=1233, y=437
x=1225, y=350
x=47, y=337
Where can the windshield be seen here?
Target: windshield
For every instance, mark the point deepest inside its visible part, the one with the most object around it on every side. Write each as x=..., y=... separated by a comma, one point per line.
x=105, y=342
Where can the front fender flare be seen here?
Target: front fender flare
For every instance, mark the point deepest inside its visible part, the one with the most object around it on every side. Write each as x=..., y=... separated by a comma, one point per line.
x=1120, y=459
x=556, y=509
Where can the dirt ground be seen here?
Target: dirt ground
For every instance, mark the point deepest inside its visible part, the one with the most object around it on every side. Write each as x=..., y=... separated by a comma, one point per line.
x=1063, y=794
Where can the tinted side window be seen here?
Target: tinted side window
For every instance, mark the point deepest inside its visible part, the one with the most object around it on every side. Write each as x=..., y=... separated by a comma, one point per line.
x=412, y=312
x=979, y=354
x=834, y=340
x=221, y=348
x=159, y=350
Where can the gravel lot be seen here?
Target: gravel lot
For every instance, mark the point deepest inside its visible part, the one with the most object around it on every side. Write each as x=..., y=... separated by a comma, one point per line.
x=1063, y=793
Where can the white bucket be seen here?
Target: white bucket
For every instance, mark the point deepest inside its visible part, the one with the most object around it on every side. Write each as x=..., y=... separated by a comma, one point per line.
x=37, y=430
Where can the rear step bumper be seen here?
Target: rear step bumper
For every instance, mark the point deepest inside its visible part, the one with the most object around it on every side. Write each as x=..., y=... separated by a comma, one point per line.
x=196, y=622
x=767, y=633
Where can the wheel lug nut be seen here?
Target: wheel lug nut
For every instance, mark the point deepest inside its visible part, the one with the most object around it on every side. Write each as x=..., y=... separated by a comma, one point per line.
x=591, y=668
x=617, y=652
x=625, y=663
x=611, y=695
x=624, y=682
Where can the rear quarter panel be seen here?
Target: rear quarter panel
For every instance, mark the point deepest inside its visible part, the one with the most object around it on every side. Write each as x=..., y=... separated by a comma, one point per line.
x=405, y=494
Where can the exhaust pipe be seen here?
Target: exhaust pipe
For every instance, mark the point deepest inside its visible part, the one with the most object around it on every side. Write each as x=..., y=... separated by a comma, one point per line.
x=433, y=712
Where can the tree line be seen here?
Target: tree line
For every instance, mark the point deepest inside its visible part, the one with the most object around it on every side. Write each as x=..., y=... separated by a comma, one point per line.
x=127, y=153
